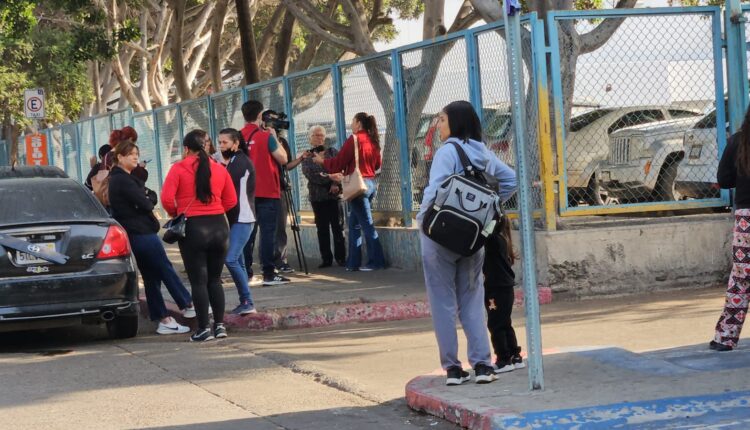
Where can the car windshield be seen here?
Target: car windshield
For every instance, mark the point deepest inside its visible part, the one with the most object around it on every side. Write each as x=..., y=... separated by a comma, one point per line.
x=580, y=122
x=40, y=200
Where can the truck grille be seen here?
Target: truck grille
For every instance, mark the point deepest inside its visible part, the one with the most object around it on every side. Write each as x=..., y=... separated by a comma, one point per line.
x=619, y=150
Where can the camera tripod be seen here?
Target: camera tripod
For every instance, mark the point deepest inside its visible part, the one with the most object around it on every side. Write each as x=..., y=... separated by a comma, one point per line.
x=292, y=214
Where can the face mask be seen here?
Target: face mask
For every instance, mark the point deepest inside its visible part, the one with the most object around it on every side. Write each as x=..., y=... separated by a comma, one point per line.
x=228, y=154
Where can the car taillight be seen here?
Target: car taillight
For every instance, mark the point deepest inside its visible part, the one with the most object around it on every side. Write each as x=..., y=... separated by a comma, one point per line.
x=115, y=244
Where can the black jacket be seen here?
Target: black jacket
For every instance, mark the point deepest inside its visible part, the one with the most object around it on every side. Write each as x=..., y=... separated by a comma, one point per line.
x=130, y=206
x=242, y=171
x=728, y=175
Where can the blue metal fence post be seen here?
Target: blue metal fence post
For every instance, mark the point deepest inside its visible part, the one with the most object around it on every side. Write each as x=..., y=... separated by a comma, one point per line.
x=338, y=105
x=180, y=123
x=50, y=150
x=78, y=149
x=525, y=205
x=475, y=81
x=212, y=131
x=399, y=101
x=159, y=169
x=291, y=137
x=737, y=85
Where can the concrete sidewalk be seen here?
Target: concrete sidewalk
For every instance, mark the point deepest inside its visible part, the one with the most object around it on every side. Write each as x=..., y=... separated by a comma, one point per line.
x=602, y=388
x=325, y=296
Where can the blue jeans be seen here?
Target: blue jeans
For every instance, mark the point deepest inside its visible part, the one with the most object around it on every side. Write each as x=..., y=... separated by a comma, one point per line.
x=248, y=251
x=156, y=268
x=239, y=234
x=266, y=212
x=360, y=220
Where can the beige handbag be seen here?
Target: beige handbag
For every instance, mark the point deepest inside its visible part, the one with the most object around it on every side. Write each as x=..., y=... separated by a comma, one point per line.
x=354, y=185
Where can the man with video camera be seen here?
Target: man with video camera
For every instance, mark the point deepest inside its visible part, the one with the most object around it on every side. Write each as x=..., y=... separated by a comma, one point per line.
x=266, y=154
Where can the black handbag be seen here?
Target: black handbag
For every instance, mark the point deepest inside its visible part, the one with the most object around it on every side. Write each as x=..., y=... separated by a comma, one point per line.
x=175, y=227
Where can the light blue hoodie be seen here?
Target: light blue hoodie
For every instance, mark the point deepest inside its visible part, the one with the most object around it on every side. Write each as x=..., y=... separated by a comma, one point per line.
x=446, y=163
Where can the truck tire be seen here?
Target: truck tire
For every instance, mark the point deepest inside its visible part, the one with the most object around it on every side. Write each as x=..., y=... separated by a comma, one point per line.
x=664, y=189
x=123, y=326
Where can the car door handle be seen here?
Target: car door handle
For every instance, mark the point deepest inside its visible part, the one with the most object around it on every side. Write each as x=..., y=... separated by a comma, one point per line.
x=29, y=248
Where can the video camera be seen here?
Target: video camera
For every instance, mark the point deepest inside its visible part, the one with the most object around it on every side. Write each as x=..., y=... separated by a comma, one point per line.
x=316, y=149
x=275, y=120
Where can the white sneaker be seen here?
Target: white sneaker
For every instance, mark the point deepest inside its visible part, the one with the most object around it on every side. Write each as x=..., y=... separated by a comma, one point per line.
x=171, y=327
x=189, y=312
x=256, y=281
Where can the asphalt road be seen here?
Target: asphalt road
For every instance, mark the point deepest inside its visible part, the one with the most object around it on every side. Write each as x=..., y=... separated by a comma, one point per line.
x=344, y=377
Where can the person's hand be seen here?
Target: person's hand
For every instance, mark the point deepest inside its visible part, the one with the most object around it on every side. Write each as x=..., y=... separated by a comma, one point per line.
x=336, y=177
x=305, y=154
x=335, y=189
x=92, y=161
x=318, y=158
x=142, y=164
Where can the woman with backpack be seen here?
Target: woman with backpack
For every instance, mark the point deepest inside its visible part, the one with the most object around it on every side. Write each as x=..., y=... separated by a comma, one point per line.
x=203, y=191
x=134, y=211
x=453, y=281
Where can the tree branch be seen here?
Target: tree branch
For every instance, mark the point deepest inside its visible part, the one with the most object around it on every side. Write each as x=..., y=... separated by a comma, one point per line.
x=217, y=28
x=313, y=26
x=465, y=17
x=325, y=22
x=270, y=33
x=597, y=37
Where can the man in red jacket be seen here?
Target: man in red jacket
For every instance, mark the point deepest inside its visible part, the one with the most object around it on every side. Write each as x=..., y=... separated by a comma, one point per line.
x=266, y=154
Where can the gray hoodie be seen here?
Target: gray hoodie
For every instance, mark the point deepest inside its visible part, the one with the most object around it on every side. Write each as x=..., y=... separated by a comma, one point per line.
x=446, y=163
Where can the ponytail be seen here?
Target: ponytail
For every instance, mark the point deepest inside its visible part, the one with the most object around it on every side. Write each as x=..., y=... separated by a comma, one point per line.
x=195, y=141
x=370, y=126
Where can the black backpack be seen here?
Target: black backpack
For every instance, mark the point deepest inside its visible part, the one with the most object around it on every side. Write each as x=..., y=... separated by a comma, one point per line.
x=465, y=210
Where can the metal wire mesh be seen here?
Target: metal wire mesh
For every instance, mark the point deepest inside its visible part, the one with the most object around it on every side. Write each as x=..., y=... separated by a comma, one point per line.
x=56, y=145
x=168, y=138
x=195, y=115
x=368, y=87
x=312, y=104
x=144, y=125
x=122, y=118
x=433, y=77
x=271, y=95
x=70, y=149
x=101, y=136
x=496, y=115
x=635, y=132
x=227, y=113
x=85, y=147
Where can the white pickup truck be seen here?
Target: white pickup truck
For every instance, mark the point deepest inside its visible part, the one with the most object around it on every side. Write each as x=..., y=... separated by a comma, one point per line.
x=642, y=161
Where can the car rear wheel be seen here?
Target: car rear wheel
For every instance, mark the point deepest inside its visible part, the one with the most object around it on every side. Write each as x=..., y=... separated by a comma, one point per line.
x=665, y=184
x=596, y=196
x=123, y=326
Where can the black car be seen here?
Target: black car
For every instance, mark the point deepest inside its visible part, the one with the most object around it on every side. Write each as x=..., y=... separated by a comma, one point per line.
x=63, y=259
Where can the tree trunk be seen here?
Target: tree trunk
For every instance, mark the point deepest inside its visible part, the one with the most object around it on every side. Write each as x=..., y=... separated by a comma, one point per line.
x=283, y=45
x=247, y=42
x=178, y=59
x=433, y=18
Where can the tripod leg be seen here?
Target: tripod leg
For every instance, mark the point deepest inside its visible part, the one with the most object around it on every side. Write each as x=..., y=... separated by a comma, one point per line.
x=295, y=231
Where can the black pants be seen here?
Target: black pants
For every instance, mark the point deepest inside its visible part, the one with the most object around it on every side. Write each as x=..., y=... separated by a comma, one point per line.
x=327, y=218
x=499, y=297
x=203, y=251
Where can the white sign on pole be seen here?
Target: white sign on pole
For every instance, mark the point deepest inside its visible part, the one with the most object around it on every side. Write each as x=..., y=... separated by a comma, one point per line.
x=33, y=103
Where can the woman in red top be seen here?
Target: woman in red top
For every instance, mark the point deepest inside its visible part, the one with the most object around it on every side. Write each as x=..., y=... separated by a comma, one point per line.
x=204, y=192
x=360, y=209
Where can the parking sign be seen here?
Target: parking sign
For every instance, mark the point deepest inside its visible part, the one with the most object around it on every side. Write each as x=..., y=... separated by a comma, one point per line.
x=33, y=103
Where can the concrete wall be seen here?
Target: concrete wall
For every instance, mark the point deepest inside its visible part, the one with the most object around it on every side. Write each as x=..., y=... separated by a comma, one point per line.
x=601, y=256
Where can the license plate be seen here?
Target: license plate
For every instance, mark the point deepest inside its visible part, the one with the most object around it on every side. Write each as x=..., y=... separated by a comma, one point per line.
x=695, y=151
x=27, y=259
x=605, y=176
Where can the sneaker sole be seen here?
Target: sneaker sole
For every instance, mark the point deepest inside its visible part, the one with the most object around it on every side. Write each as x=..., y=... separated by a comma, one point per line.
x=485, y=379
x=453, y=381
x=249, y=312
x=179, y=331
x=221, y=336
x=505, y=369
x=519, y=365
x=272, y=283
x=204, y=340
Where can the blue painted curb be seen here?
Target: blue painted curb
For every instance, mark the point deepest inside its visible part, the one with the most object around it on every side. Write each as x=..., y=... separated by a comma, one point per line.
x=730, y=409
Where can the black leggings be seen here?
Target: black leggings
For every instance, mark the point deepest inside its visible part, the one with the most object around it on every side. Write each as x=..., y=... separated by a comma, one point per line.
x=499, y=296
x=203, y=251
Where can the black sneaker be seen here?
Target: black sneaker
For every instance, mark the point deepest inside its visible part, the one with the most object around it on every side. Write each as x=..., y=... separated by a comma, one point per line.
x=504, y=365
x=275, y=280
x=457, y=376
x=202, y=335
x=716, y=346
x=484, y=374
x=220, y=331
x=285, y=268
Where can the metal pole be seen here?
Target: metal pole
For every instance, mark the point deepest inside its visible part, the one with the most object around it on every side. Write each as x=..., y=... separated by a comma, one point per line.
x=737, y=84
x=399, y=100
x=533, y=326
x=292, y=140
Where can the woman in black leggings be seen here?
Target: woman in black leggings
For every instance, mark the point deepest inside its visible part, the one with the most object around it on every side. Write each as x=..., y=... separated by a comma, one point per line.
x=202, y=190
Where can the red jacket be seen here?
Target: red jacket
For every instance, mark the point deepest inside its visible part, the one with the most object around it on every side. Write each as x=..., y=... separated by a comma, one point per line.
x=369, y=157
x=267, y=179
x=178, y=191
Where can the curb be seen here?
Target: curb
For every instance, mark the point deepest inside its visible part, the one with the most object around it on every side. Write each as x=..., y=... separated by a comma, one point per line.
x=331, y=314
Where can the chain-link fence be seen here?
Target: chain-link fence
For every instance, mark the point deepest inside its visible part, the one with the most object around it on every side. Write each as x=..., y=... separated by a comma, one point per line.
x=639, y=109
x=227, y=112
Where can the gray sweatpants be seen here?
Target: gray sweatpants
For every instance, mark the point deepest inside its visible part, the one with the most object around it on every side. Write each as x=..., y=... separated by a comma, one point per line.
x=455, y=286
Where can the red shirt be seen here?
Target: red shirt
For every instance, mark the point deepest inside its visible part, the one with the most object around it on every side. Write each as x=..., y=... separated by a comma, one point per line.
x=369, y=157
x=267, y=183
x=178, y=191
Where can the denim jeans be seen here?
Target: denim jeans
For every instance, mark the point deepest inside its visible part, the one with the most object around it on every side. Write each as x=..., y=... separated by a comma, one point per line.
x=156, y=268
x=239, y=234
x=360, y=220
x=266, y=213
x=249, y=250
